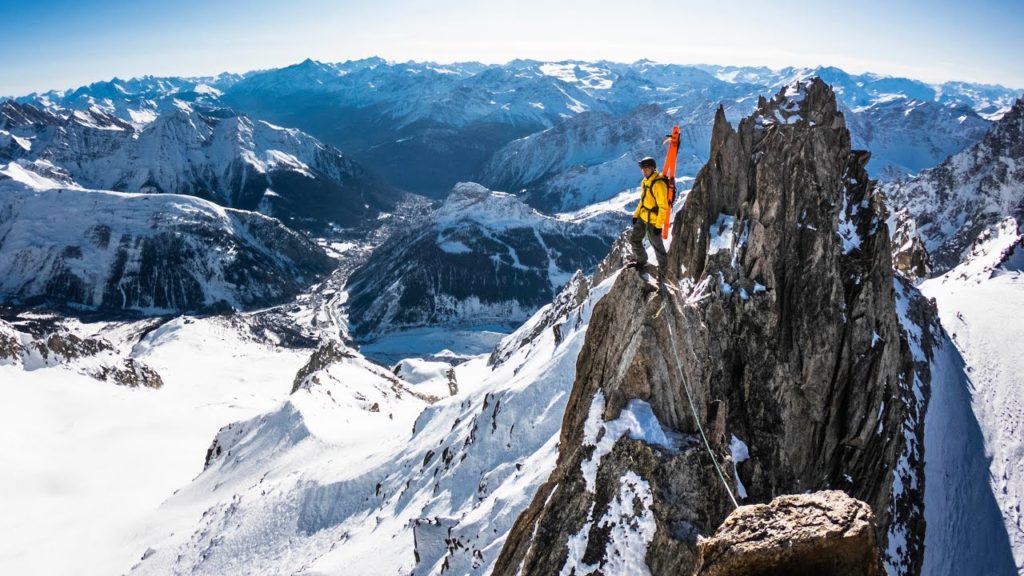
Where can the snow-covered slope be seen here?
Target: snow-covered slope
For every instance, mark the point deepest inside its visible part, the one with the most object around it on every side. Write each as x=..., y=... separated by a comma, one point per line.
x=967, y=193
x=482, y=258
x=200, y=150
x=154, y=253
x=332, y=481
x=967, y=213
x=86, y=463
x=977, y=416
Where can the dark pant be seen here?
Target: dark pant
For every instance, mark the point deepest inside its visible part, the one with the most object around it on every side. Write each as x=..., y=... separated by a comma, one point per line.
x=636, y=240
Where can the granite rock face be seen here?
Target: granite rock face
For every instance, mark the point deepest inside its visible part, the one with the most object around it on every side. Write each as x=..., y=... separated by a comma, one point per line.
x=825, y=533
x=777, y=339
x=909, y=255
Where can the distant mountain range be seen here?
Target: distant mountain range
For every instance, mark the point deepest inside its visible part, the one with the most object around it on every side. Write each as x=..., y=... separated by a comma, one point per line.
x=194, y=148
x=423, y=127
x=815, y=365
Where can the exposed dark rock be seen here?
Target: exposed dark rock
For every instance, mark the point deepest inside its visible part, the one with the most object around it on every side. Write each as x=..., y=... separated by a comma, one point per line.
x=823, y=534
x=326, y=354
x=132, y=374
x=10, y=345
x=778, y=328
x=909, y=255
x=93, y=356
x=453, y=381
x=72, y=347
x=226, y=437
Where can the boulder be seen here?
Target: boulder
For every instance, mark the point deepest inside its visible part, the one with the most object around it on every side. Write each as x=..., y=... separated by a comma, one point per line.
x=825, y=533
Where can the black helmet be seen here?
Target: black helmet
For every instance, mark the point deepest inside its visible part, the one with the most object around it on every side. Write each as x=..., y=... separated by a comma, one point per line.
x=648, y=162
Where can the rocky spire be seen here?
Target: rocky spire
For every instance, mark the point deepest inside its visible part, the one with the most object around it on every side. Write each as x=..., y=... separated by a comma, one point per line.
x=781, y=334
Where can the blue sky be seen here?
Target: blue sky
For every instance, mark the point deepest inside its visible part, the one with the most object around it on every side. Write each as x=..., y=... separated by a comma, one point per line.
x=56, y=44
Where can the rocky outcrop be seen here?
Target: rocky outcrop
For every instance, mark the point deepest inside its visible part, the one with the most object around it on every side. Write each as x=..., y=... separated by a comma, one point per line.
x=825, y=533
x=909, y=255
x=90, y=355
x=777, y=340
x=326, y=354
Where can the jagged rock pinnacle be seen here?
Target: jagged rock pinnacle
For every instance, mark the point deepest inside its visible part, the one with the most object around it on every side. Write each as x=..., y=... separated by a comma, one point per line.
x=782, y=332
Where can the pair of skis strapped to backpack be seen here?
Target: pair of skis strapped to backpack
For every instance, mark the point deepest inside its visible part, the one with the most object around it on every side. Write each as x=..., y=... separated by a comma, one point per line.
x=669, y=172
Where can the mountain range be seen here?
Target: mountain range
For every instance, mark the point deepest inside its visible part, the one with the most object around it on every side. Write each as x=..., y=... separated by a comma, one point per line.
x=423, y=127
x=612, y=428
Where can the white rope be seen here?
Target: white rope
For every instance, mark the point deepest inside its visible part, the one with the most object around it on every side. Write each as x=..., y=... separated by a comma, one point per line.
x=693, y=409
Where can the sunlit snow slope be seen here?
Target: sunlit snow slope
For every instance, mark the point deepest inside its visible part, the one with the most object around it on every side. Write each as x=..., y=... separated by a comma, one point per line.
x=87, y=463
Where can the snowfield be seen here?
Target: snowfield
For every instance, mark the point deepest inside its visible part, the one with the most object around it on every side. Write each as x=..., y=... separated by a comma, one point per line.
x=87, y=463
x=355, y=493
x=977, y=409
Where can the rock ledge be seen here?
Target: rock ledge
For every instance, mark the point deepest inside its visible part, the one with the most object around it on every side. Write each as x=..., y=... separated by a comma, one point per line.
x=825, y=533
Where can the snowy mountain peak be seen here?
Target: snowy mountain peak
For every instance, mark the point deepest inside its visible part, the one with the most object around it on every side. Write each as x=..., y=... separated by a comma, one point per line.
x=470, y=201
x=806, y=99
x=483, y=257
x=189, y=146
x=154, y=254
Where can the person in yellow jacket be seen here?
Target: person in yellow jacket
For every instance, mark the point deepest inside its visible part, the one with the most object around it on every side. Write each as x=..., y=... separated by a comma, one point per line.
x=650, y=215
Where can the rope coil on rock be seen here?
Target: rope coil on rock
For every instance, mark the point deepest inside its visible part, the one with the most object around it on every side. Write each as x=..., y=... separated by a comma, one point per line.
x=693, y=409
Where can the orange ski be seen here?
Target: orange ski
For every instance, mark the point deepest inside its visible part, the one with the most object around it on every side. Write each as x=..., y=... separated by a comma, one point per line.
x=669, y=172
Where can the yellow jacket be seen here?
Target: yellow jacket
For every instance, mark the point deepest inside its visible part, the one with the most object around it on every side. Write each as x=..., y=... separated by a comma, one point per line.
x=653, y=206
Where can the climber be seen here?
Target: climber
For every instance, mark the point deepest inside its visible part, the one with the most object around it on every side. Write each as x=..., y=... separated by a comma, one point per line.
x=650, y=215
